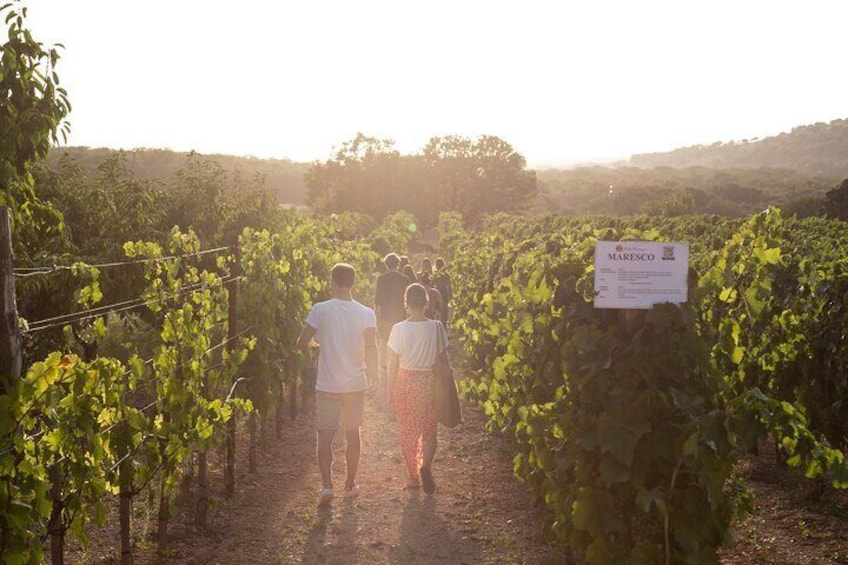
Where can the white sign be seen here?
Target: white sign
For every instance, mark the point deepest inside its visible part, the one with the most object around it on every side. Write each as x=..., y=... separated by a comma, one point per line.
x=639, y=274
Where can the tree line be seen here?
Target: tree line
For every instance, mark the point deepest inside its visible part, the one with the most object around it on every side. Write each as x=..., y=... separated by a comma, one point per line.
x=671, y=191
x=370, y=176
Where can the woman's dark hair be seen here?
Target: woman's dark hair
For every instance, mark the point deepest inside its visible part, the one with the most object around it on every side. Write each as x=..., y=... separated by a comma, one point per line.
x=415, y=296
x=426, y=265
x=440, y=263
x=343, y=275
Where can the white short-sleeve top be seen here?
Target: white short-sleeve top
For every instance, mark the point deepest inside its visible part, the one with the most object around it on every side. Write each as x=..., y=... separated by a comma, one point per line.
x=339, y=325
x=416, y=343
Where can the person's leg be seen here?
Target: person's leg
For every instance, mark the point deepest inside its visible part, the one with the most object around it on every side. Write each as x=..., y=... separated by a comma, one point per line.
x=352, y=452
x=325, y=456
x=429, y=425
x=328, y=409
x=407, y=431
x=409, y=447
x=353, y=407
x=430, y=442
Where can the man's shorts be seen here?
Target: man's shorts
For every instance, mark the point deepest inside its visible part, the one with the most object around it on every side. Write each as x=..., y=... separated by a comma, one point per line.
x=334, y=407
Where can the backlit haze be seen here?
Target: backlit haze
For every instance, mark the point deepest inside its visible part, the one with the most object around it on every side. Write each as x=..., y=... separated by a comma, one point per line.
x=562, y=81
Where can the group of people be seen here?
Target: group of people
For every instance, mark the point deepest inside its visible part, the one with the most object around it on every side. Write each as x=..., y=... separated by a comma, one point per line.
x=392, y=347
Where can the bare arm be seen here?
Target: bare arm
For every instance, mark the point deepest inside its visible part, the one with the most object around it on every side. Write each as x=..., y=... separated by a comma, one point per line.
x=394, y=367
x=369, y=344
x=304, y=341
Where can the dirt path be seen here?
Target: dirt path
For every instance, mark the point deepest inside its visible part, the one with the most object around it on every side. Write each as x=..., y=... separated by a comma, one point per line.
x=479, y=513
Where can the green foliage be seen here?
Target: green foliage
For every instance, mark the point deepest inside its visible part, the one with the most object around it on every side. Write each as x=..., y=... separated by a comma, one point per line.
x=775, y=302
x=32, y=105
x=618, y=423
x=282, y=178
x=192, y=306
x=276, y=265
x=395, y=233
x=129, y=335
x=450, y=230
x=56, y=423
x=72, y=425
x=628, y=428
x=32, y=112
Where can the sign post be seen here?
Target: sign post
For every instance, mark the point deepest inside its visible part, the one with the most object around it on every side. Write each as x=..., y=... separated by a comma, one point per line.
x=636, y=275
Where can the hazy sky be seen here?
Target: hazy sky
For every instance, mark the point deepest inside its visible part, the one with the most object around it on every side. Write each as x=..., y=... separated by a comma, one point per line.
x=562, y=81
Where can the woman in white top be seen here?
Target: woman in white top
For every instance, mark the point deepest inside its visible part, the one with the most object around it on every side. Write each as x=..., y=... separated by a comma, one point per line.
x=413, y=346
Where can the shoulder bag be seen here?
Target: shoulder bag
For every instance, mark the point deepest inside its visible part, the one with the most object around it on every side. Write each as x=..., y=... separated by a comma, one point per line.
x=445, y=396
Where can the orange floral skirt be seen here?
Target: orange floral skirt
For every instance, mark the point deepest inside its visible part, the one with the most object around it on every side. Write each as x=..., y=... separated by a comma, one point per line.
x=412, y=399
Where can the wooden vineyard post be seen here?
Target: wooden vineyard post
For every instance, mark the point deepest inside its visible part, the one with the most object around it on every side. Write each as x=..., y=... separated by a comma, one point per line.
x=632, y=318
x=11, y=357
x=125, y=481
x=293, y=399
x=251, y=426
x=232, y=316
x=278, y=412
x=202, y=507
x=164, y=504
x=54, y=526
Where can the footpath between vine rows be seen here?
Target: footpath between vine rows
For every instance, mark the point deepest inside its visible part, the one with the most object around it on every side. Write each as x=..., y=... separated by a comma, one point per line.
x=480, y=514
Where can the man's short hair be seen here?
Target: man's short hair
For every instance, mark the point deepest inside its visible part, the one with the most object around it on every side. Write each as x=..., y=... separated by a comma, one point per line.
x=391, y=261
x=440, y=263
x=343, y=275
x=415, y=296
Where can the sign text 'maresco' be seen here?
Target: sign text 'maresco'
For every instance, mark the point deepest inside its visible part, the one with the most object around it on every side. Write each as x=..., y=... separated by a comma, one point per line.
x=640, y=274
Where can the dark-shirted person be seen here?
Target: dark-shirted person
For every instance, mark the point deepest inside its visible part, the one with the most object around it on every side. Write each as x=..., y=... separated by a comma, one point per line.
x=344, y=331
x=389, y=307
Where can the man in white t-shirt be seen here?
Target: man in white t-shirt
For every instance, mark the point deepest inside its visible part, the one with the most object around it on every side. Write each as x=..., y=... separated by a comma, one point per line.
x=345, y=332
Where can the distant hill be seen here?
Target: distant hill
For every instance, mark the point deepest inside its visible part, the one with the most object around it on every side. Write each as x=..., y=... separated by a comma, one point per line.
x=701, y=190
x=282, y=177
x=818, y=150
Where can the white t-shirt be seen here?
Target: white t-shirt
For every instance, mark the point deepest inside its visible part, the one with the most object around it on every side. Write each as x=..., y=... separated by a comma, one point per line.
x=339, y=325
x=415, y=344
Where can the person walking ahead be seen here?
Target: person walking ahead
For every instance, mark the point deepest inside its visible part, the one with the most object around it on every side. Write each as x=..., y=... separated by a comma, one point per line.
x=414, y=345
x=344, y=330
x=388, y=305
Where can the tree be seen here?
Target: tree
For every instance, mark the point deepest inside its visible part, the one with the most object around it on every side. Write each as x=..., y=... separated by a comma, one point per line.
x=32, y=106
x=478, y=177
x=215, y=202
x=453, y=174
x=32, y=112
x=366, y=175
x=836, y=202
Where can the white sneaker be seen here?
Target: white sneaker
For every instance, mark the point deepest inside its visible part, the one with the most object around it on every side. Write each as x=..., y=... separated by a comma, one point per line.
x=352, y=492
x=326, y=497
